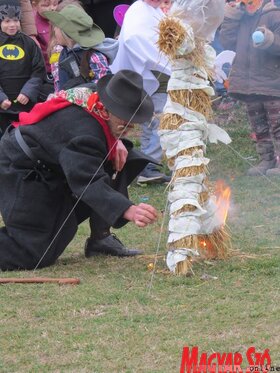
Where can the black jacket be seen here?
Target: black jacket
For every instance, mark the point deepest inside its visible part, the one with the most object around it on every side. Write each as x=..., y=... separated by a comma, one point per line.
x=22, y=70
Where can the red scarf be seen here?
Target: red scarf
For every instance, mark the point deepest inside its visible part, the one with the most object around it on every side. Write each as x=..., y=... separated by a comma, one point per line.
x=42, y=110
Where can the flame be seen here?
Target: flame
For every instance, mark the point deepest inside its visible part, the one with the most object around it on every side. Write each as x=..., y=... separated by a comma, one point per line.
x=223, y=194
x=203, y=244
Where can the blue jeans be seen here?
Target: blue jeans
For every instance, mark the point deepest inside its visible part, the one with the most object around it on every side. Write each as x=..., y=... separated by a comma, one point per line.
x=150, y=142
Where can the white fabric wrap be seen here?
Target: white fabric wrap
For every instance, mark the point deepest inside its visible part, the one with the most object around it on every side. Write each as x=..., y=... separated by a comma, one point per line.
x=172, y=142
x=182, y=226
x=186, y=76
x=189, y=161
x=179, y=255
x=187, y=191
x=191, y=133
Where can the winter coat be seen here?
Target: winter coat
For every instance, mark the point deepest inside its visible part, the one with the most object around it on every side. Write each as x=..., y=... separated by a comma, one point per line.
x=256, y=68
x=43, y=36
x=36, y=198
x=22, y=70
x=27, y=18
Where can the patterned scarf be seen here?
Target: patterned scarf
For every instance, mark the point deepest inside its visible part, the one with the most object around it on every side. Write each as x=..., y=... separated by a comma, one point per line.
x=82, y=97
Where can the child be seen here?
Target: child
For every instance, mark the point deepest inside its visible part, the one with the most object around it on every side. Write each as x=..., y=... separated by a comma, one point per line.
x=22, y=66
x=54, y=49
x=254, y=77
x=166, y=6
x=43, y=26
x=138, y=51
x=82, y=58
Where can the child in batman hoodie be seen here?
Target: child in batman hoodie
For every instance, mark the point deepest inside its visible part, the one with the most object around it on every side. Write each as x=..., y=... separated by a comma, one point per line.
x=22, y=67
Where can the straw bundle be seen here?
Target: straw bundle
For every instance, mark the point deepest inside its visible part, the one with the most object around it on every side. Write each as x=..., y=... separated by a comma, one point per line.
x=171, y=121
x=196, y=100
x=171, y=36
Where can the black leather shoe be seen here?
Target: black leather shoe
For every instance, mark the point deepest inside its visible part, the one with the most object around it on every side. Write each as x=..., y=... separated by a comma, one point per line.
x=109, y=245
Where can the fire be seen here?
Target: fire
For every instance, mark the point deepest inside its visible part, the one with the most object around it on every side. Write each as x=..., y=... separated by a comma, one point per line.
x=223, y=194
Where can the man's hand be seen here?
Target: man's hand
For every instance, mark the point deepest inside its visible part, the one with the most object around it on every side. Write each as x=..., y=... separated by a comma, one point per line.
x=121, y=155
x=5, y=104
x=22, y=99
x=141, y=215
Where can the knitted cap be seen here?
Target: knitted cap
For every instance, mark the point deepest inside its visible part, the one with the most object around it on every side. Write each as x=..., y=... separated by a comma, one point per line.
x=9, y=9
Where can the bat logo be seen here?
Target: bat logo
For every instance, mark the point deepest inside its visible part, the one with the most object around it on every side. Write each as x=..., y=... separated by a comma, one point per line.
x=11, y=52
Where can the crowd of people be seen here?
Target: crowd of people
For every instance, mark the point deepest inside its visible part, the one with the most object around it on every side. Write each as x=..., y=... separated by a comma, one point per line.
x=61, y=60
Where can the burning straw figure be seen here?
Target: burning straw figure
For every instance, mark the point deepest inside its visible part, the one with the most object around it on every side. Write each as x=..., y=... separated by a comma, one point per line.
x=194, y=223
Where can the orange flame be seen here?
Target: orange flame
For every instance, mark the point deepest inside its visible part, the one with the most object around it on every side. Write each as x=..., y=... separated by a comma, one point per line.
x=223, y=194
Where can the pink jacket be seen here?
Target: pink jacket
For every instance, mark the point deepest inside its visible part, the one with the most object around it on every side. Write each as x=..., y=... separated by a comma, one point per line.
x=43, y=37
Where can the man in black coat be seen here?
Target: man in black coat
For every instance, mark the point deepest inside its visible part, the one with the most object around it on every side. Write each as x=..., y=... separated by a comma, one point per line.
x=63, y=163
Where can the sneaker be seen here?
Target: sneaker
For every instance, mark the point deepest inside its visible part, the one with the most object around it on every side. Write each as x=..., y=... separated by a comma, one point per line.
x=153, y=177
x=109, y=245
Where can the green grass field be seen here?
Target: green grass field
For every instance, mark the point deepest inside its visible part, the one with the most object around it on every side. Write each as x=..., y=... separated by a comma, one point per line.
x=122, y=318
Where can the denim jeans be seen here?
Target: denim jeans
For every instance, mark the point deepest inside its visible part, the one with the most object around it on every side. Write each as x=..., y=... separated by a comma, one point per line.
x=150, y=142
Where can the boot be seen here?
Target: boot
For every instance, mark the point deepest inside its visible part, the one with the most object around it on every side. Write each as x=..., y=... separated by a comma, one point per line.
x=103, y=242
x=109, y=245
x=276, y=170
x=265, y=149
x=273, y=171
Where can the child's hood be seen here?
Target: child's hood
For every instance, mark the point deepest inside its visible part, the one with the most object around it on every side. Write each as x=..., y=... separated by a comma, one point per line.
x=109, y=47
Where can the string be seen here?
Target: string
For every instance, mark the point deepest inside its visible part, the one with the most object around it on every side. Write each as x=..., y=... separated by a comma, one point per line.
x=157, y=248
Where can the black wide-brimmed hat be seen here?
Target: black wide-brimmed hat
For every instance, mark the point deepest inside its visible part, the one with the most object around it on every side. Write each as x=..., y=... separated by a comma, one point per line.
x=123, y=95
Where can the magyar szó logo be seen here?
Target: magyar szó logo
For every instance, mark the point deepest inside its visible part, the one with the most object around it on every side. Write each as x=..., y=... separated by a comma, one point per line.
x=11, y=52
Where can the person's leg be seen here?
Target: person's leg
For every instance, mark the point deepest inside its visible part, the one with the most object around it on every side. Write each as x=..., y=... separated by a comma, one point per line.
x=34, y=207
x=101, y=241
x=258, y=118
x=35, y=232
x=150, y=143
x=272, y=108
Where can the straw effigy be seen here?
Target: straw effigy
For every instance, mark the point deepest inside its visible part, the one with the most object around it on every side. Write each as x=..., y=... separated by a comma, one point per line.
x=184, y=128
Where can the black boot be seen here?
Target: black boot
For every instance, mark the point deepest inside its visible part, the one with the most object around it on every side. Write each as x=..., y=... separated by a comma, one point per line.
x=109, y=245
